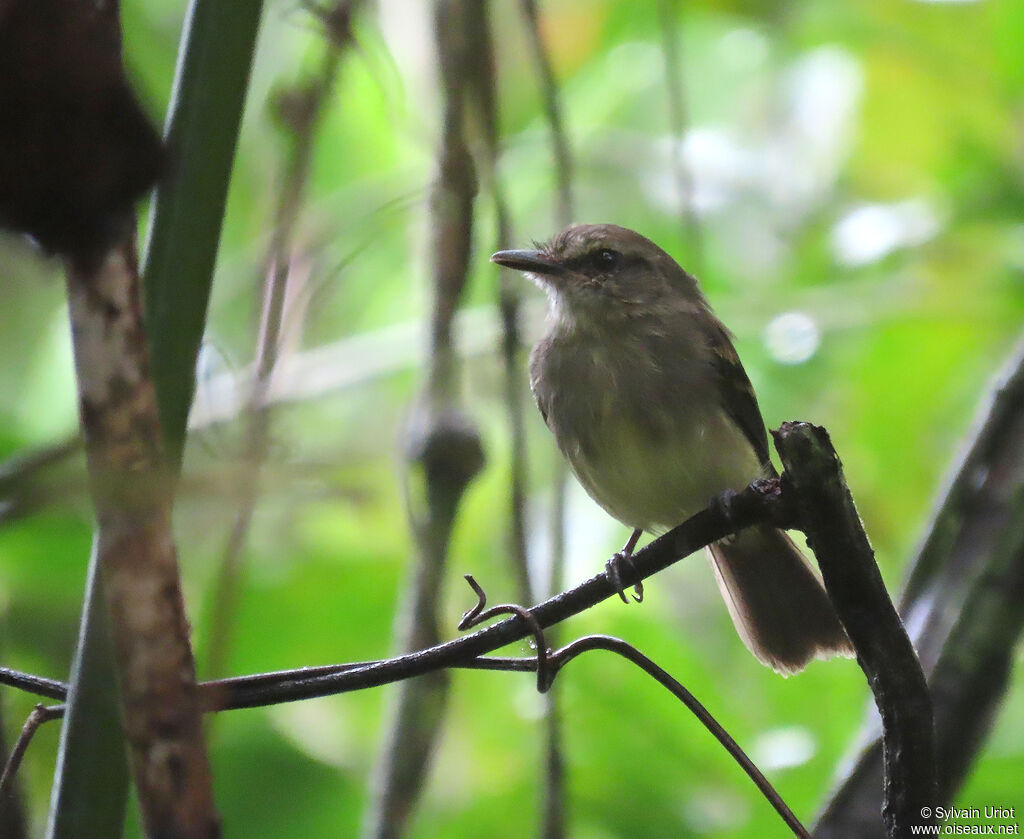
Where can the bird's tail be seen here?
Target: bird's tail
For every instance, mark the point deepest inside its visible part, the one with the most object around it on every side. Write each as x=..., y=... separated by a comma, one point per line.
x=777, y=602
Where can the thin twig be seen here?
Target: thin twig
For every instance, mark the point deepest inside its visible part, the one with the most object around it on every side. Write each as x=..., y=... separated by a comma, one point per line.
x=616, y=645
x=38, y=715
x=755, y=505
x=478, y=614
x=548, y=664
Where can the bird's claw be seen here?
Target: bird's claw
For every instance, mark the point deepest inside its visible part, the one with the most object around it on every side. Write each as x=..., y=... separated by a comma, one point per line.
x=613, y=570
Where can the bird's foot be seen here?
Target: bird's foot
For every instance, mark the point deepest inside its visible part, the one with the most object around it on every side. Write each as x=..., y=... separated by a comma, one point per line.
x=723, y=503
x=613, y=569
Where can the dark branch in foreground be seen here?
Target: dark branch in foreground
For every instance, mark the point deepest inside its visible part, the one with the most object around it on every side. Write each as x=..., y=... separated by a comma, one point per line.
x=814, y=481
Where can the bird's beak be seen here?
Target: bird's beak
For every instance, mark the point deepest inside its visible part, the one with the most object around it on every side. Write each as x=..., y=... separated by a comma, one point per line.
x=533, y=262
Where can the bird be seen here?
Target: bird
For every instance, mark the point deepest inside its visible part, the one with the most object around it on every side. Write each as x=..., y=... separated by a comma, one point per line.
x=648, y=401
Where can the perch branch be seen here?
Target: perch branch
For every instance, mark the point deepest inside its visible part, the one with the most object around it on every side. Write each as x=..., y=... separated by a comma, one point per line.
x=814, y=479
x=963, y=605
x=757, y=504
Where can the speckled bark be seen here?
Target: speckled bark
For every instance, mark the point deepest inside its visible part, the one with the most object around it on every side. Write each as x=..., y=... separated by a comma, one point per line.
x=138, y=562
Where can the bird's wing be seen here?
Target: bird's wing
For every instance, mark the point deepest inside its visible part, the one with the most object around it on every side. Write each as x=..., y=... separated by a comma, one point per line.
x=738, y=397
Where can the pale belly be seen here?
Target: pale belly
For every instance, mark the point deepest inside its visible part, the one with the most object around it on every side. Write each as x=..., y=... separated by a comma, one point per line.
x=656, y=482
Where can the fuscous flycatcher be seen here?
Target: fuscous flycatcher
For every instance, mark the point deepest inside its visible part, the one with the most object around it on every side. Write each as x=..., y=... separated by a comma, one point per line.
x=641, y=385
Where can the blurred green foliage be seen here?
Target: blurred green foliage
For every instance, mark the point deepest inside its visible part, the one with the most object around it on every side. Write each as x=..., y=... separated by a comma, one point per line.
x=858, y=164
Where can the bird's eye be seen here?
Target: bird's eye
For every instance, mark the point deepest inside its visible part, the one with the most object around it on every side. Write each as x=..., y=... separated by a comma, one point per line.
x=607, y=258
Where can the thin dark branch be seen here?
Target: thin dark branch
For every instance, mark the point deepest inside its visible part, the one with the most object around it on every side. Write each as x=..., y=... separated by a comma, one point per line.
x=38, y=715
x=214, y=688
x=814, y=479
x=759, y=503
x=756, y=504
x=38, y=685
x=478, y=614
x=559, y=659
x=13, y=823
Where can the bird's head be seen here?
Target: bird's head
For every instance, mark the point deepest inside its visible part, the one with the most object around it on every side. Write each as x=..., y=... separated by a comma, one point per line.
x=605, y=274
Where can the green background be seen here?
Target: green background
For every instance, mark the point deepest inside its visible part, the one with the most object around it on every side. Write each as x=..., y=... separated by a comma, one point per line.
x=858, y=163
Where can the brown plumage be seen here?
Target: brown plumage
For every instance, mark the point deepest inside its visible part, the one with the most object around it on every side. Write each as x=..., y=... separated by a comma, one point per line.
x=643, y=390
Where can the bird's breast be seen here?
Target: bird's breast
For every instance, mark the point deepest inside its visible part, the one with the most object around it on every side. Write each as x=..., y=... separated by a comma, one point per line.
x=645, y=435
